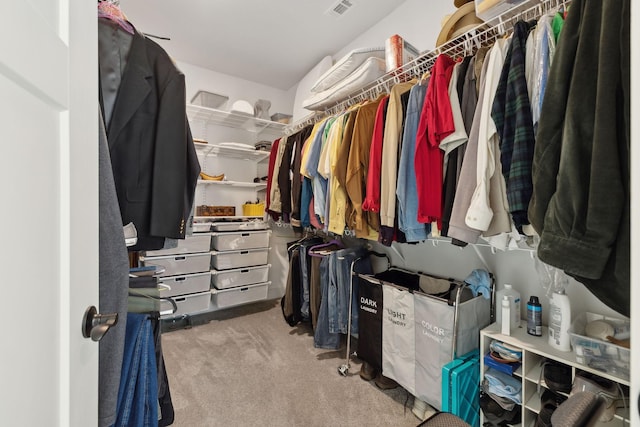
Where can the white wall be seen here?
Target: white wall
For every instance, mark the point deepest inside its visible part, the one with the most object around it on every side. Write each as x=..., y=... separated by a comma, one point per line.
x=516, y=267
x=416, y=21
x=198, y=78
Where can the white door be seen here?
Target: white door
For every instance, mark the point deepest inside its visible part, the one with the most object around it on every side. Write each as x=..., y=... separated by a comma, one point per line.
x=49, y=208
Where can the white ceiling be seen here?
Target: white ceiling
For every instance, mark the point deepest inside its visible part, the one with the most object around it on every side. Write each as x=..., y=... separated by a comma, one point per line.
x=270, y=42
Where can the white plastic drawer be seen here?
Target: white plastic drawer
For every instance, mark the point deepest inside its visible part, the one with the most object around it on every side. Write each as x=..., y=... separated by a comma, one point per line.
x=241, y=295
x=188, y=304
x=233, y=241
x=239, y=259
x=239, y=276
x=239, y=226
x=199, y=242
x=188, y=284
x=175, y=265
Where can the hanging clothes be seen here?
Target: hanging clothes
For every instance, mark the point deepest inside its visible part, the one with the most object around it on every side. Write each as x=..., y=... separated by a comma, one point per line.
x=371, y=201
x=580, y=202
x=406, y=190
x=511, y=113
x=363, y=223
x=436, y=123
x=154, y=162
x=458, y=227
x=113, y=283
x=391, y=141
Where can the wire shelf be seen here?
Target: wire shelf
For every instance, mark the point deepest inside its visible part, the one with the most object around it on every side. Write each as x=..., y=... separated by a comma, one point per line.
x=465, y=44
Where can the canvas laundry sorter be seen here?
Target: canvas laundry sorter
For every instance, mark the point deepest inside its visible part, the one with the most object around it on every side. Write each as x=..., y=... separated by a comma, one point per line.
x=412, y=324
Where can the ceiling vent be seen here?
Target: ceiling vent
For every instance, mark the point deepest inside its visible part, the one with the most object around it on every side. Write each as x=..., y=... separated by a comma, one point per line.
x=340, y=8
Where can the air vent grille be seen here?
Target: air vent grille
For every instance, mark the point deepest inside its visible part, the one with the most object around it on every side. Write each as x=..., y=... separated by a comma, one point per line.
x=340, y=8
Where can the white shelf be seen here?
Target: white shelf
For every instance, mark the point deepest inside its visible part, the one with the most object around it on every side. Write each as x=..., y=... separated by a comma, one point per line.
x=534, y=351
x=230, y=152
x=254, y=185
x=540, y=346
x=234, y=120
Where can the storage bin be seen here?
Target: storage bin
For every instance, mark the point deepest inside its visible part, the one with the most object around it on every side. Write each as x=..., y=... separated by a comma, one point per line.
x=598, y=354
x=188, y=284
x=238, y=259
x=489, y=9
x=241, y=295
x=175, y=265
x=239, y=276
x=198, y=242
x=253, y=209
x=187, y=304
x=231, y=241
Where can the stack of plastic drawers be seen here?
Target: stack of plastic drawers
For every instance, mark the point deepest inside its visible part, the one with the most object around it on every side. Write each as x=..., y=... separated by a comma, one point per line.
x=240, y=271
x=186, y=277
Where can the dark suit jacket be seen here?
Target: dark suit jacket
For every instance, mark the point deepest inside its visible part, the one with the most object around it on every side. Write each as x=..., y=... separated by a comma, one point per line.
x=154, y=161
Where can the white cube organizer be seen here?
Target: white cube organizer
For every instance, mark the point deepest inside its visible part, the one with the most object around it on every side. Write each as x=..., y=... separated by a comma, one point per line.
x=187, y=284
x=198, y=242
x=180, y=264
x=233, y=241
x=238, y=259
x=222, y=298
x=187, y=304
x=239, y=276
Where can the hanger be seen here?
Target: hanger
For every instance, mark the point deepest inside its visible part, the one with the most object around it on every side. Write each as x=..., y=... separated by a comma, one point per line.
x=313, y=250
x=110, y=9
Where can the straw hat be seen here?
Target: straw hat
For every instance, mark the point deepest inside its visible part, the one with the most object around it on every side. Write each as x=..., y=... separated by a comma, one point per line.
x=461, y=21
x=459, y=3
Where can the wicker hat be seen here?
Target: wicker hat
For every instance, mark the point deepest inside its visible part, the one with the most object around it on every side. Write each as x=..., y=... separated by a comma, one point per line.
x=461, y=21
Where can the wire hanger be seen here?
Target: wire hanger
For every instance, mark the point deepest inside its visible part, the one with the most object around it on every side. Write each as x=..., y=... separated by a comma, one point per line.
x=110, y=9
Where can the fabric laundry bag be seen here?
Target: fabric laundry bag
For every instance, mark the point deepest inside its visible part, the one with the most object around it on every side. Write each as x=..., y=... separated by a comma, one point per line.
x=434, y=334
x=398, y=337
x=370, y=323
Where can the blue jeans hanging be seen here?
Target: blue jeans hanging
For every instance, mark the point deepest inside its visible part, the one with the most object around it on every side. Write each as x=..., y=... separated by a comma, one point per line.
x=138, y=393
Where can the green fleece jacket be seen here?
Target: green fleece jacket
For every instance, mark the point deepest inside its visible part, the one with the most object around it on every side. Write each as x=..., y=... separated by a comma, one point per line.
x=580, y=202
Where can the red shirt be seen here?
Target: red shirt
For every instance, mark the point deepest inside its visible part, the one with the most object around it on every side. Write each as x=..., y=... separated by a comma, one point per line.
x=436, y=123
x=372, y=199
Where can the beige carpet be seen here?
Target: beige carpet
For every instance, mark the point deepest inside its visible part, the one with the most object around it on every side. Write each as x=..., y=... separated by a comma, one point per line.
x=248, y=367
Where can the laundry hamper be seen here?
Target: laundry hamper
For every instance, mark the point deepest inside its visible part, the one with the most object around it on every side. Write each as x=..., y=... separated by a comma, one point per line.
x=443, y=329
x=370, y=307
x=444, y=324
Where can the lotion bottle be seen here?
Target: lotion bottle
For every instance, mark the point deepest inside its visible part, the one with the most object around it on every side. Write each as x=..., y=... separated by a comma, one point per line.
x=514, y=299
x=559, y=321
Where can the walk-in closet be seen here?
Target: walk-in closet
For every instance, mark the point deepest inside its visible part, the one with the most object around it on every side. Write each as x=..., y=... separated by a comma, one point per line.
x=329, y=213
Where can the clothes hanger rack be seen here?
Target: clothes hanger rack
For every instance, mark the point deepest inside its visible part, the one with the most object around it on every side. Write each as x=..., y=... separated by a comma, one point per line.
x=484, y=34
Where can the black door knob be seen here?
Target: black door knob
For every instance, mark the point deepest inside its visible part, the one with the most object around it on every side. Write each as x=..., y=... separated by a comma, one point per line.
x=95, y=325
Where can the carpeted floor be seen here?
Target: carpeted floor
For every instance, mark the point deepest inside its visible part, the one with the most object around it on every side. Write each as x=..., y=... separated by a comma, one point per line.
x=247, y=367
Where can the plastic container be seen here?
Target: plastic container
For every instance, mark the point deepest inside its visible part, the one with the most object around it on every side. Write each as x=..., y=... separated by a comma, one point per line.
x=599, y=354
x=253, y=209
x=515, y=305
x=489, y=9
x=534, y=317
x=559, y=321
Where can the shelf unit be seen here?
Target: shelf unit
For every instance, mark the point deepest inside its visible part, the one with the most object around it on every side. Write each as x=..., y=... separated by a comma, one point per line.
x=240, y=164
x=534, y=351
x=197, y=113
